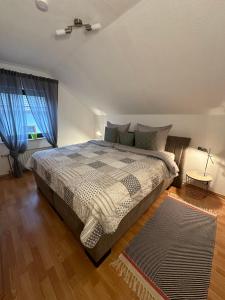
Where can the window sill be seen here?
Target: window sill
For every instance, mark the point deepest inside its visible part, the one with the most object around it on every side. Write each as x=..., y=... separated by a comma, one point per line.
x=37, y=139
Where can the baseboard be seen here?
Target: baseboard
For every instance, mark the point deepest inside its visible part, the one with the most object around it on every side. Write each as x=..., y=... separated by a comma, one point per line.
x=5, y=176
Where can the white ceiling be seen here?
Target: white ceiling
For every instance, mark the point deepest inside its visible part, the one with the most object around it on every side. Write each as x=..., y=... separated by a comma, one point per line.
x=152, y=56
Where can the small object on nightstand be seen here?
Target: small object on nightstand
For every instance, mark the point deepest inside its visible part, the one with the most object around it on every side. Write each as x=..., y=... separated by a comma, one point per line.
x=98, y=134
x=204, y=179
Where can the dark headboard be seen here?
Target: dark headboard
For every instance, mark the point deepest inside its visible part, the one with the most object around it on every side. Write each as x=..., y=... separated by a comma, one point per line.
x=178, y=145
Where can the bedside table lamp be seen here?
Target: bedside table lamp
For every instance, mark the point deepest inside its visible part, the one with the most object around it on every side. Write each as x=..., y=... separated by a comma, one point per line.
x=98, y=134
x=209, y=157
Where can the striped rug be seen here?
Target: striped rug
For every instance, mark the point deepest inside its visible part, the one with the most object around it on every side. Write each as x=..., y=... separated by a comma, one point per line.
x=171, y=257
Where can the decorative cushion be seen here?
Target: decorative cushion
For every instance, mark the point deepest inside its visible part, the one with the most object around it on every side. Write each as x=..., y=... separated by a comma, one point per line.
x=146, y=140
x=121, y=128
x=111, y=135
x=126, y=138
x=162, y=133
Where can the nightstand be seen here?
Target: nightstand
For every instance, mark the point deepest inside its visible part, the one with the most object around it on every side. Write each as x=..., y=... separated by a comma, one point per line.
x=199, y=177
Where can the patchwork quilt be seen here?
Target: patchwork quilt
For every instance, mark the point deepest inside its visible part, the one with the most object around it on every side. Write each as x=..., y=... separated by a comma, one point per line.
x=101, y=182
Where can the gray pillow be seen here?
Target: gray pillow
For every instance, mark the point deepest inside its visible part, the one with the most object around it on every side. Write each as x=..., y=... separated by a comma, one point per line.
x=126, y=138
x=111, y=135
x=121, y=128
x=146, y=140
x=162, y=133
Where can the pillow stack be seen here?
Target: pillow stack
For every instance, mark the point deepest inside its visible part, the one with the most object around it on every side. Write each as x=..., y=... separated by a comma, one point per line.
x=144, y=137
x=113, y=131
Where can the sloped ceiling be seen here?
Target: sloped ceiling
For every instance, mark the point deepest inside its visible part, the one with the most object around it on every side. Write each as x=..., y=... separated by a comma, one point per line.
x=151, y=56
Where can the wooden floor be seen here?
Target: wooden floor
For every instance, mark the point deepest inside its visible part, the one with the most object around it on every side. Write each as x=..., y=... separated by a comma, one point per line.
x=40, y=258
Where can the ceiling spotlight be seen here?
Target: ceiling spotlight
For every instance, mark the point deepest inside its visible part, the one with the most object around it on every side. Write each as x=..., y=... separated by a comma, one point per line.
x=77, y=23
x=42, y=4
x=65, y=31
x=96, y=26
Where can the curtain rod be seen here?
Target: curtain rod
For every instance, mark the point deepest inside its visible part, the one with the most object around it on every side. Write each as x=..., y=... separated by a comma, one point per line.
x=27, y=75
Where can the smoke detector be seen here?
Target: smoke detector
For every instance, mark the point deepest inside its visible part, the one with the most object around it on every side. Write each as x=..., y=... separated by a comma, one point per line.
x=42, y=4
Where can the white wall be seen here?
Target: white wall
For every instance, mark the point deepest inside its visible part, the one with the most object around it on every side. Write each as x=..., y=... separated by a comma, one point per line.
x=76, y=123
x=204, y=130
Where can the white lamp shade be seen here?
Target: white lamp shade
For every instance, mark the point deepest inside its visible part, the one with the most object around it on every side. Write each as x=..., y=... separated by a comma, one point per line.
x=98, y=133
x=96, y=26
x=60, y=32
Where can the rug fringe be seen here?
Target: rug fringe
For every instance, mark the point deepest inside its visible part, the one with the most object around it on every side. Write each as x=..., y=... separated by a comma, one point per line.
x=134, y=280
x=207, y=210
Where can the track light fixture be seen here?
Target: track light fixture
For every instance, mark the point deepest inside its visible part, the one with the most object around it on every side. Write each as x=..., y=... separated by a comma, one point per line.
x=76, y=24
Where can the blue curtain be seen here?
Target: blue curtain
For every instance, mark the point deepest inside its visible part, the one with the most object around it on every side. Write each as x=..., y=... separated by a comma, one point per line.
x=42, y=96
x=12, y=117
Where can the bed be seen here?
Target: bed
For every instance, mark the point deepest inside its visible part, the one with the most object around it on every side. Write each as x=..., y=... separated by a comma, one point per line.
x=100, y=190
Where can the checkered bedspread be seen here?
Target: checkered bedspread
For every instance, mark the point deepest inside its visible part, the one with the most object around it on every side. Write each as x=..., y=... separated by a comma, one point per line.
x=99, y=182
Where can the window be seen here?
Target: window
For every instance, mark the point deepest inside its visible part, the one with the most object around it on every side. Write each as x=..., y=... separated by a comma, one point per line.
x=33, y=131
x=32, y=127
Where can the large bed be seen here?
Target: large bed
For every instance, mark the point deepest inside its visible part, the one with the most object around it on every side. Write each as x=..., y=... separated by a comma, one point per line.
x=100, y=189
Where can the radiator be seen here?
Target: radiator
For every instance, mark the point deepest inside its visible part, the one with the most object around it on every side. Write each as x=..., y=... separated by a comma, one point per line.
x=24, y=157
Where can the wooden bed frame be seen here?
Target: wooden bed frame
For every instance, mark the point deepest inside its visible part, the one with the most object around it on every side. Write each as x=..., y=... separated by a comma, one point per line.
x=177, y=145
